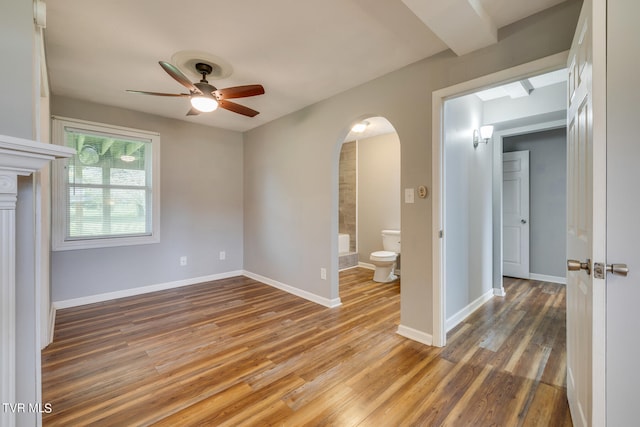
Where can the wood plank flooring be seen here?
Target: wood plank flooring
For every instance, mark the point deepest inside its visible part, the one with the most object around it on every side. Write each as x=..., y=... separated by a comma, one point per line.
x=237, y=352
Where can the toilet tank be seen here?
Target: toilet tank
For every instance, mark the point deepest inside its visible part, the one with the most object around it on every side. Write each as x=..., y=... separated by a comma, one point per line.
x=391, y=240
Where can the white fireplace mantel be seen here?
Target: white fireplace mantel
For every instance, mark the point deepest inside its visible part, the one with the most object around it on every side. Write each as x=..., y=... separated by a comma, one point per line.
x=17, y=157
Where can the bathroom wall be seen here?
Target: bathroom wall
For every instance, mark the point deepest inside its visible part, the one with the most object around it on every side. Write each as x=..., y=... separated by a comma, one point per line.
x=468, y=206
x=347, y=192
x=548, y=198
x=378, y=191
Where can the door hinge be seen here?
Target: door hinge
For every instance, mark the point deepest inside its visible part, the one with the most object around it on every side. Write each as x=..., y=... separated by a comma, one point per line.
x=441, y=234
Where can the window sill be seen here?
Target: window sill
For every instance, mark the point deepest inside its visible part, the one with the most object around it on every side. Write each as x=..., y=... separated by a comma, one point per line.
x=104, y=243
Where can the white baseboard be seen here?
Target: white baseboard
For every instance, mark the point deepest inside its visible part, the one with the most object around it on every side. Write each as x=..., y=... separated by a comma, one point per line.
x=91, y=299
x=52, y=324
x=366, y=265
x=330, y=303
x=348, y=268
x=373, y=267
x=545, y=278
x=415, y=335
x=499, y=292
x=454, y=320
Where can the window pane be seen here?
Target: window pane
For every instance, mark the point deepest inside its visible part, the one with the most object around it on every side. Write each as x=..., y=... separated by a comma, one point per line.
x=128, y=211
x=128, y=177
x=86, y=212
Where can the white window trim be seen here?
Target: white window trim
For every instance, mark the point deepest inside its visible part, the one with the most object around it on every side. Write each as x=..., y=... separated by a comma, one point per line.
x=58, y=241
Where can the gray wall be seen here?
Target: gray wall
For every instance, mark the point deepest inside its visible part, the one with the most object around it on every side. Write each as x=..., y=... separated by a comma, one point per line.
x=17, y=116
x=623, y=205
x=291, y=164
x=547, y=198
x=378, y=191
x=467, y=206
x=201, y=209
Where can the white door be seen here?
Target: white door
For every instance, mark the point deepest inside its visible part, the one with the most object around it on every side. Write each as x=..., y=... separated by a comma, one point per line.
x=585, y=223
x=515, y=214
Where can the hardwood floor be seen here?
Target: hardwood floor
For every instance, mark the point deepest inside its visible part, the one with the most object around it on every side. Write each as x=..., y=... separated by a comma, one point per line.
x=238, y=352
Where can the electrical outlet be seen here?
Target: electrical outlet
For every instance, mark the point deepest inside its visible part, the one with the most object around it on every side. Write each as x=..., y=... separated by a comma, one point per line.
x=183, y=261
x=223, y=255
x=323, y=273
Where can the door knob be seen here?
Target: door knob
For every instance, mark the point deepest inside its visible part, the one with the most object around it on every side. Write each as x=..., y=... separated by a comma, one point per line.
x=524, y=221
x=574, y=265
x=617, y=269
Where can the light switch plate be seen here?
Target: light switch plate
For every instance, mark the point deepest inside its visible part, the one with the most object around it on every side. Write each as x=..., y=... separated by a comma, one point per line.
x=409, y=195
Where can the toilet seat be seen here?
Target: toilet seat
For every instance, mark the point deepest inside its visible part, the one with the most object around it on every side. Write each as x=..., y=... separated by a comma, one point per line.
x=383, y=256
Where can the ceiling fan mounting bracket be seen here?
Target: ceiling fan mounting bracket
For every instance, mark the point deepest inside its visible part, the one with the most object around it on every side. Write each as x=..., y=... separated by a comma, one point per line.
x=203, y=68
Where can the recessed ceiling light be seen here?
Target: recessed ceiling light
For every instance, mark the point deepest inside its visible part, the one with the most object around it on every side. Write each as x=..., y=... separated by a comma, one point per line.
x=127, y=158
x=360, y=127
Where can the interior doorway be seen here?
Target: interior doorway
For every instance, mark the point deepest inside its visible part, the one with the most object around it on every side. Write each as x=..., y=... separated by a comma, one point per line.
x=368, y=190
x=468, y=231
x=545, y=218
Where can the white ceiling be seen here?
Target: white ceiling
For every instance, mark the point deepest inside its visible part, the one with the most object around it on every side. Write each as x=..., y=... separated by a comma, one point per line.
x=300, y=51
x=523, y=87
x=375, y=126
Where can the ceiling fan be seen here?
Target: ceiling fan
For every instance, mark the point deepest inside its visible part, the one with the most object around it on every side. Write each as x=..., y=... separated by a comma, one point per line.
x=206, y=97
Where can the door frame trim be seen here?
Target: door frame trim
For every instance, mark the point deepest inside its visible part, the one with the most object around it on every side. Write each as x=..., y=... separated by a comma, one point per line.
x=539, y=66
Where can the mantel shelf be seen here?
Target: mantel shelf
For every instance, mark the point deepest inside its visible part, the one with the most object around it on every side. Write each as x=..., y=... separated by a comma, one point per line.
x=24, y=156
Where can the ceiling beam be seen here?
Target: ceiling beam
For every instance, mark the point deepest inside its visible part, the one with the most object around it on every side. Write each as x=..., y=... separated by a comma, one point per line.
x=462, y=24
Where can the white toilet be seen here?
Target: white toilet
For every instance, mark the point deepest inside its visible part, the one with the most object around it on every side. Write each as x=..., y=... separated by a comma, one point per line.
x=385, y=261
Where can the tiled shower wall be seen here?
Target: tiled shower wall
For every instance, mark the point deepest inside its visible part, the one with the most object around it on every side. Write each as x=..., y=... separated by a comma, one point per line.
x=347, y=180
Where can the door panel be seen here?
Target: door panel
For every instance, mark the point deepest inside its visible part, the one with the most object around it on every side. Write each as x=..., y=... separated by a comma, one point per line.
x=580, y=236
x=515, y=214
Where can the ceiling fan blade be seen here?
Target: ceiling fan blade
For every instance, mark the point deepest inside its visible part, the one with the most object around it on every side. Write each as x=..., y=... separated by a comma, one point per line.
x=174, y=72
x=237, y=108
x=158, y=93
x=193, y=112
x=240, y=91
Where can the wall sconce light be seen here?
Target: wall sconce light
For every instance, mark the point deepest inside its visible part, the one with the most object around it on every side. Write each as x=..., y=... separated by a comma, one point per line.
x=482, y=135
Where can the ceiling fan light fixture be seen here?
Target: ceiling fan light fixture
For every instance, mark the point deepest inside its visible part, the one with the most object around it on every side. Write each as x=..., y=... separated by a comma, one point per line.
x=204, y=104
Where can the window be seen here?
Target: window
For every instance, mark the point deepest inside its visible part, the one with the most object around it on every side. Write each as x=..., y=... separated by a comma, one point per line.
x=107, y=194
